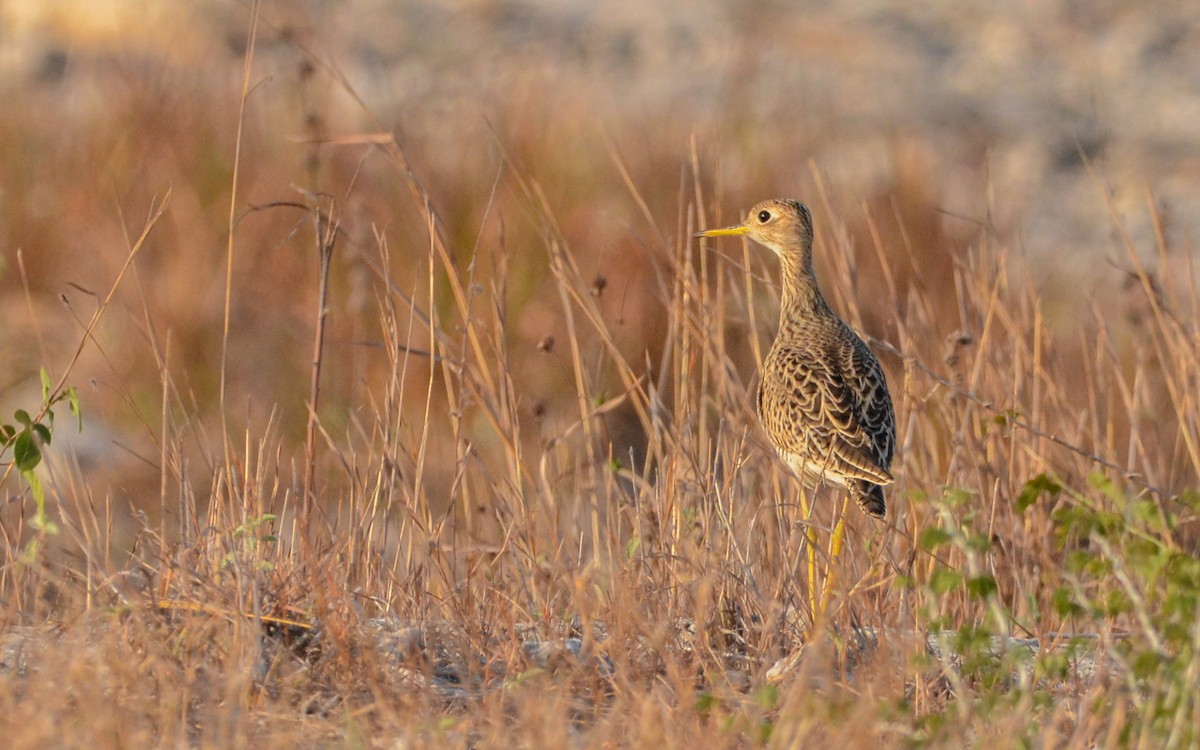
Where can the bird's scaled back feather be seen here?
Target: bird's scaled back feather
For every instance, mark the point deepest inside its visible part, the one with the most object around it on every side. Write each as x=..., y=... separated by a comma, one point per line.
x=827, y=405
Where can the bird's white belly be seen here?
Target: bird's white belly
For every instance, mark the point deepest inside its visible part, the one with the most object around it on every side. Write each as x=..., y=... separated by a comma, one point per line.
x=812, y=473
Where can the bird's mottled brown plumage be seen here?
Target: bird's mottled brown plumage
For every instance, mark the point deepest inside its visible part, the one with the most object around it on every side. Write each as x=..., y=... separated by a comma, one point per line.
x=823, y=399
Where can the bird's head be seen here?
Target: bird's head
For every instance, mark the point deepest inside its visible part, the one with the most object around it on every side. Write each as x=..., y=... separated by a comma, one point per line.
x=782, y=225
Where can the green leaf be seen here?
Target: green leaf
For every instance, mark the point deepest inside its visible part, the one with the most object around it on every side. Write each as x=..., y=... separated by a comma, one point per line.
x=29, y=555
x=527, y=675
x=632, y=546
x=1052, y=666
x=957, y=497
x=1107, y=486
x=46, y=385
x=23, y=417
x=767, y=696
x=943, y=580
x=979, y=542
x=42, y=432
x=1146, y=512
x=73, y=405
x=1033, y=489
x=26, y=453
x=916, y=496
x=1116, y=603
x=1064, y=603
x=40, y=520
x=1146, y=664
x=932, y=538
x=981, y=587
x=1006, y=417
x=944, y=622
x=42, y=523
x=1190, y=498
x=765, y=729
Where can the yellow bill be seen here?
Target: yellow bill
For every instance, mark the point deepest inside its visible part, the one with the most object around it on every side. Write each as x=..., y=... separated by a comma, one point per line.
x=724, y=231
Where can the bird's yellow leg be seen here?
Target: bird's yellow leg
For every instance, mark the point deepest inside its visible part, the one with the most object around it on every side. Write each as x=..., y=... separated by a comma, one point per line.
x=835, y=550
x=810, y=551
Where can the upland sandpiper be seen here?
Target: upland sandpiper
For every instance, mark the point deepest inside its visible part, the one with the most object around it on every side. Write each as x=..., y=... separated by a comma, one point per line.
x=823, y=399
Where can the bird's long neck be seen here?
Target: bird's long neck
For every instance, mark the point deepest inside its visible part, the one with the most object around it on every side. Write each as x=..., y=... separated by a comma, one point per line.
x=801, y=296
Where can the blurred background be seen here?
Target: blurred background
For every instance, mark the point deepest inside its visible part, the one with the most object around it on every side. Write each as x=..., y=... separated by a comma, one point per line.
x=915, y=127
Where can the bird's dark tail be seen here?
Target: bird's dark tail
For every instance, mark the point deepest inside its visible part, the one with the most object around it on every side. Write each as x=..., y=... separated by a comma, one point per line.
x=870, y=498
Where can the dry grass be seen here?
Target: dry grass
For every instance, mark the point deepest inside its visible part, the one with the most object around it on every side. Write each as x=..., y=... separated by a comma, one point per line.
x=540, y=510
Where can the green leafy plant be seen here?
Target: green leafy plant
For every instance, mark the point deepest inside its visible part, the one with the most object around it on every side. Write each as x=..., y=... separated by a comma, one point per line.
x=253, y=534
x=1127, y=571
x=985, y=669
x=28, y=434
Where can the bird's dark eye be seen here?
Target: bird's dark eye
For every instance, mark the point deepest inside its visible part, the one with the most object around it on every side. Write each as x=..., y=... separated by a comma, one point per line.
x=764, y=216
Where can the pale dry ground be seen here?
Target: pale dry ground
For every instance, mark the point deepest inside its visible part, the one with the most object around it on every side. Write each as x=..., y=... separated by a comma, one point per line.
x=545, y=514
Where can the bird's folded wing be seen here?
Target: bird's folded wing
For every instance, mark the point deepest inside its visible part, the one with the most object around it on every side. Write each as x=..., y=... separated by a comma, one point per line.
x=811, y=410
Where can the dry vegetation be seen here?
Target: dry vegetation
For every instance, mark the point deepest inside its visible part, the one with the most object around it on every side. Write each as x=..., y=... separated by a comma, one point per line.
x=533, y=507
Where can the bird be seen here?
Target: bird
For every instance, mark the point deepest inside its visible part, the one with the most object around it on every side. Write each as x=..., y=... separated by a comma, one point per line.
x=822, y=397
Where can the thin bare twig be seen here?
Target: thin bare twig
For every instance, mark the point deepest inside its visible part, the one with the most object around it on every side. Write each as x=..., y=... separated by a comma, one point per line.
x=1014, y=420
